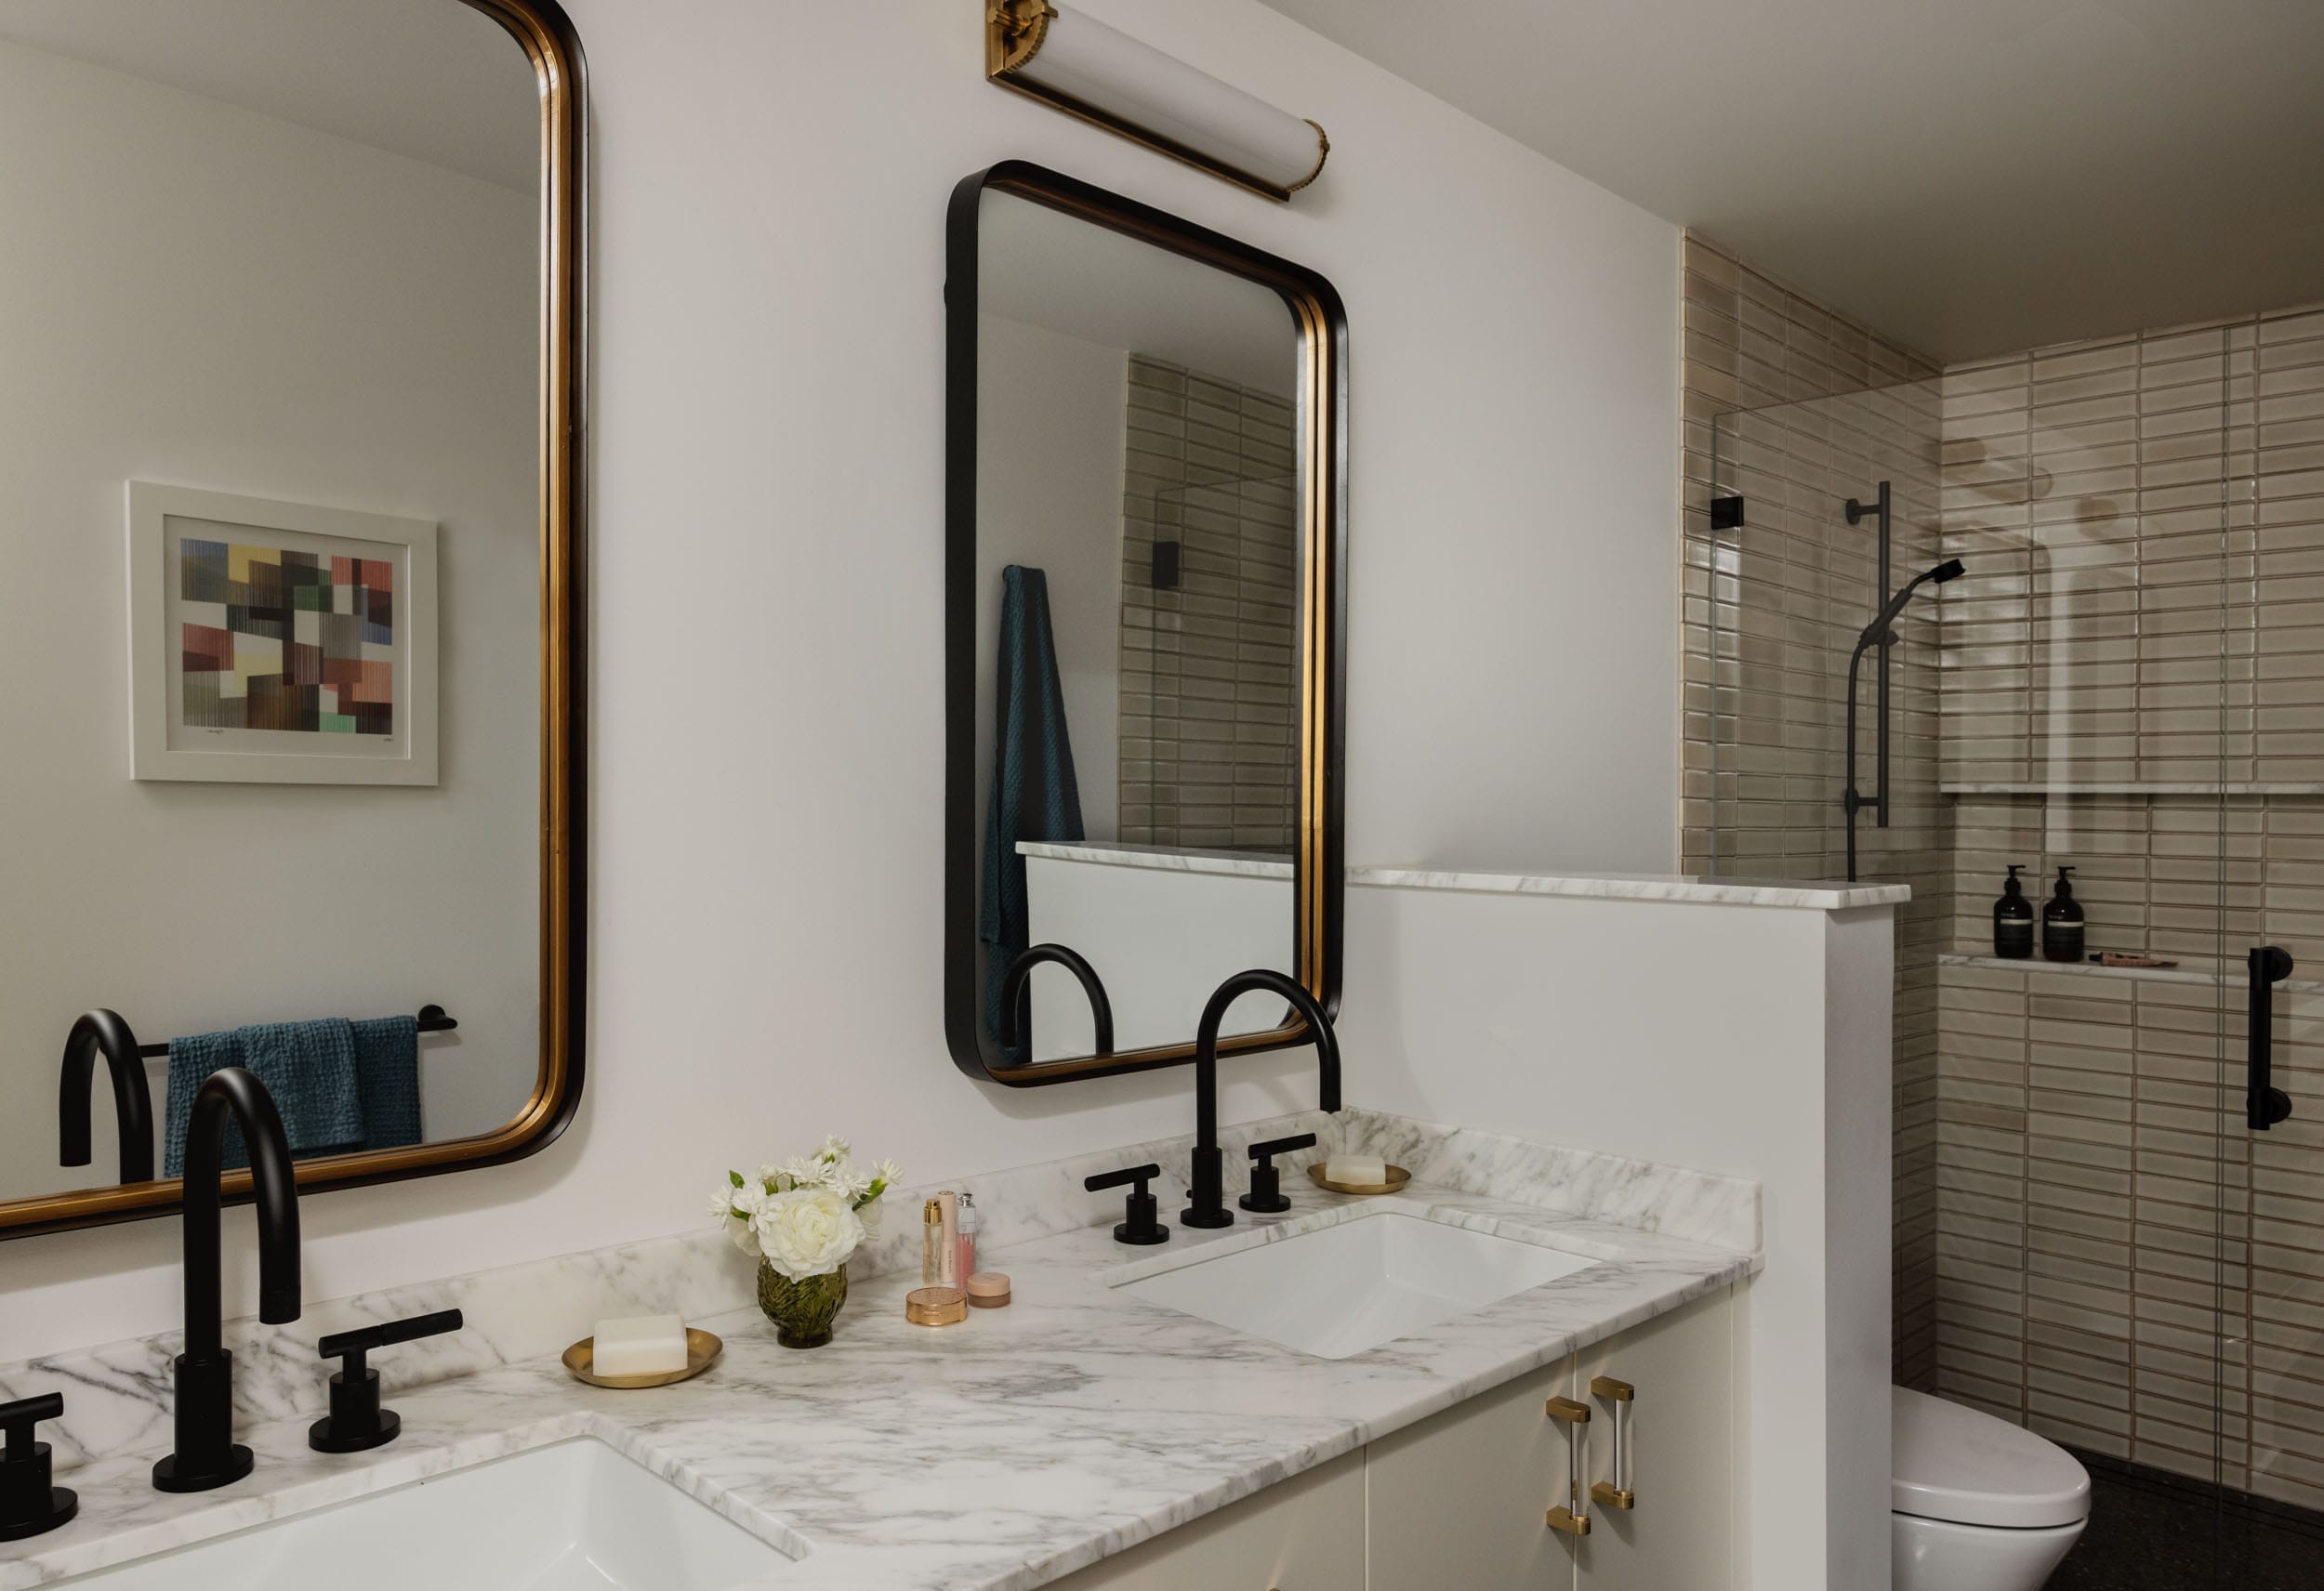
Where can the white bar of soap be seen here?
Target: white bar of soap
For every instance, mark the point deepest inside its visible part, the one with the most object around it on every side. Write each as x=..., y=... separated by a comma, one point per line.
x=1363, y=1170
x=643, y=1345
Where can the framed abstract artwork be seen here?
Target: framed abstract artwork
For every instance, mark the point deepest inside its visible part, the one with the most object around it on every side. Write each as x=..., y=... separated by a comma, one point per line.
x=279, y=643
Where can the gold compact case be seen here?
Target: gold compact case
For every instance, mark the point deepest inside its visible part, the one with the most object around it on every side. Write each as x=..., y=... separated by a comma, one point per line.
x=935, y=1306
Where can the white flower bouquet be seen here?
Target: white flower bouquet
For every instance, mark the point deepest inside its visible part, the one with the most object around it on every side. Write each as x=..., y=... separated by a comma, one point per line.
x=803, y=1220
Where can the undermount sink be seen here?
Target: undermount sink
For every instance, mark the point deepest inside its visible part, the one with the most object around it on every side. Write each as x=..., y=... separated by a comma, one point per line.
x=574, y=1517
x=1341, y=1289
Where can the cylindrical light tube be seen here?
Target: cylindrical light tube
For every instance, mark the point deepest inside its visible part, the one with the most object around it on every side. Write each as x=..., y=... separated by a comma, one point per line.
x=1063, y=56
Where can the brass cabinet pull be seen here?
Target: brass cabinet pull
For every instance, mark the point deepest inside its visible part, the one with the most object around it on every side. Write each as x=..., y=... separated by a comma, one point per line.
x=1616, y=1492
x=1575, y=1415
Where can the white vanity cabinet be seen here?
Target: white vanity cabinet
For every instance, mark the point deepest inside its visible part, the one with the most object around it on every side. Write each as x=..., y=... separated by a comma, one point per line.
x=1462, y=1498
x=1304, y=1534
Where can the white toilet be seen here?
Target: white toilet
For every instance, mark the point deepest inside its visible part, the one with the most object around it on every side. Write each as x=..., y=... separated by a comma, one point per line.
x=1977, y=1504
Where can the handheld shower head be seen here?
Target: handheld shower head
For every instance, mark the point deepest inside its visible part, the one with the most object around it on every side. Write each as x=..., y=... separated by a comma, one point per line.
x=1878, y=628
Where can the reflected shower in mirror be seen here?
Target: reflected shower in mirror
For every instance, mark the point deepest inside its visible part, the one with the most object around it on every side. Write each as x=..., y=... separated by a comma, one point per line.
x=1137, y=592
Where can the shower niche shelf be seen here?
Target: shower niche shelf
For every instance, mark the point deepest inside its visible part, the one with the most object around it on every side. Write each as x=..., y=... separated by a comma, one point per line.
x=2144, y=974
x=2130, y=787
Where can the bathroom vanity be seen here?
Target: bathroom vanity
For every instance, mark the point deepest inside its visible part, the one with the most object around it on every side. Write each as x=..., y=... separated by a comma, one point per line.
x=1091, y=1435
x=1477, y=1485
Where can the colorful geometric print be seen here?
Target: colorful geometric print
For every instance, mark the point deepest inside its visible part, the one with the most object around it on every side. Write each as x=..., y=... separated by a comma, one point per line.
x=276, y=639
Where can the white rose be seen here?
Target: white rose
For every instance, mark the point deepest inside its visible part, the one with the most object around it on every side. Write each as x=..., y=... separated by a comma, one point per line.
x=808, y=1232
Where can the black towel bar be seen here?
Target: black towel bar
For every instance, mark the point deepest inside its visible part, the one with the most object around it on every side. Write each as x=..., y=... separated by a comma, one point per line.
x=431, y=1020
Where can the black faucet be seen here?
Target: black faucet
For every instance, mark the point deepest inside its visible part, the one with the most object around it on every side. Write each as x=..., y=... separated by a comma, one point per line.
x=1016, y=1024
x=1209, y=1194
x=28, y=1504
x=105, y=1032
x=206, y=1454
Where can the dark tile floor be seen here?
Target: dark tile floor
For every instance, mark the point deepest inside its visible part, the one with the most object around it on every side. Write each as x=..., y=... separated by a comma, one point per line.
x=2150, y=1531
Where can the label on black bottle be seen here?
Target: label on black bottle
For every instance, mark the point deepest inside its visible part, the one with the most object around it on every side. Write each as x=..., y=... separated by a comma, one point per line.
x=2062, y=942
x=2013, y=938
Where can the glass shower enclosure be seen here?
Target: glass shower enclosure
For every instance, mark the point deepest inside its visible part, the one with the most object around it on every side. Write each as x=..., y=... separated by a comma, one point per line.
x=2106, y=1227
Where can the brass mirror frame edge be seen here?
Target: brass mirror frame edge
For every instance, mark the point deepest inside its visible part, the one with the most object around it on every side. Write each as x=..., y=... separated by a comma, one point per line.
x=546, y=33
x=1319, y=869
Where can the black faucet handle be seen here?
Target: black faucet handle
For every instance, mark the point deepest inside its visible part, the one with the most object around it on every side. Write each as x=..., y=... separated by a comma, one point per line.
x=28, y=1504
x=357, y=1423
x=1266, y=1196
x=1143, y=1223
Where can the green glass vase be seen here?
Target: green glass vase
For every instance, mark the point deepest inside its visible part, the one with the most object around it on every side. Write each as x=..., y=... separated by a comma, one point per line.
x=802, y=1311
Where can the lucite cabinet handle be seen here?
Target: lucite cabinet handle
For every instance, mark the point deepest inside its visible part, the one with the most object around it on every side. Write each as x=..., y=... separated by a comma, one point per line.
x=1562, y=1515
x=1616, y=1492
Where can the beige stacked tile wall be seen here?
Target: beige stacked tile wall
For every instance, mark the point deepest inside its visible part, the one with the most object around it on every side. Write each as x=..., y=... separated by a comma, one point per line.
x=1796, y=409
x=2122, y=1265
x=1209, y=725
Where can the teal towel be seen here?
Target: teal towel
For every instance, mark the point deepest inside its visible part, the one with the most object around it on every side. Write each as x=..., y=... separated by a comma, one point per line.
x=307, y=1067
x=1034, y=795
x=386, y=1073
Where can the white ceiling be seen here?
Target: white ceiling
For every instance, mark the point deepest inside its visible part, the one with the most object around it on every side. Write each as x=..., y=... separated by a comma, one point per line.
x=1970, y=175
x=1048, y=269
x=434, y=80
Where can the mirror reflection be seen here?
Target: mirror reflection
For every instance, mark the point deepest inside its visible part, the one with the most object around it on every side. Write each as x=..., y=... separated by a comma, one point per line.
x=1138, y=566
x=270, y=387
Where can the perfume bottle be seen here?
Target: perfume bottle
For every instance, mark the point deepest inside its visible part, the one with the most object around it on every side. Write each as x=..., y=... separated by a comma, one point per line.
x=931, y=1243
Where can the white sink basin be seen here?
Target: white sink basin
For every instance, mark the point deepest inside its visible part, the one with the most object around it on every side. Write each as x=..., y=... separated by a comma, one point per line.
x=1341, y=1289
x=575, y=1516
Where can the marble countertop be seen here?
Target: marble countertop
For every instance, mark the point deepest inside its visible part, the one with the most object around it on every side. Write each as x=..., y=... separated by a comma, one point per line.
x=996, y=1455
x=1803, y=893
x=1820, y=895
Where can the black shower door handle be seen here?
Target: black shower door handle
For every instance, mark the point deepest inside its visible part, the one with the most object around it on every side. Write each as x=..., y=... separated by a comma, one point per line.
x=2264, y=1104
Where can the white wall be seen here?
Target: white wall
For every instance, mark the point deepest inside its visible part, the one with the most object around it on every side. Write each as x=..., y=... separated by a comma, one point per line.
x=194, y=293
x=768, y=530
x=1741, y=1039
x=1049, y=484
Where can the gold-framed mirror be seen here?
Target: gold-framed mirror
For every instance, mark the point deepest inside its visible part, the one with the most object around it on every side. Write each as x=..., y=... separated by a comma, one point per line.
x=293, y=389
x=1145, y=653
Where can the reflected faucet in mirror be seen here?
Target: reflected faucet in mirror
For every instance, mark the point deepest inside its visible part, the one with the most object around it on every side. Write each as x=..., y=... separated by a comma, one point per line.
x=206, y=1454
x=104, y=1033
x=1208, y=1199
x=1016, y=996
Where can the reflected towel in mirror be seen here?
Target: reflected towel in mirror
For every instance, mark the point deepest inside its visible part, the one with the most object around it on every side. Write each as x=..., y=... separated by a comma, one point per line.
x=1034, y=795
x=387, y=1080
x=307, y=1067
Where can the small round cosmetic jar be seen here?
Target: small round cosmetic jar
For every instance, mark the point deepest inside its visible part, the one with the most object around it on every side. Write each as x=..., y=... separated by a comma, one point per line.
x=935, y=1306
x=988, y=1290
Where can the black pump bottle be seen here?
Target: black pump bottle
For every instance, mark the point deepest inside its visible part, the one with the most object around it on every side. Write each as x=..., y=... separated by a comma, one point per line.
x=2062, y=922
x=2014, y=921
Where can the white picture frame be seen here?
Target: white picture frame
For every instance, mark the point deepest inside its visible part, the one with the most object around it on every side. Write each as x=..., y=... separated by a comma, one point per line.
x=385, y=672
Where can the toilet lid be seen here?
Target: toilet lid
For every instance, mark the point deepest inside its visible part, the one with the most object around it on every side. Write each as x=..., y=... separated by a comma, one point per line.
x=1962, y=1466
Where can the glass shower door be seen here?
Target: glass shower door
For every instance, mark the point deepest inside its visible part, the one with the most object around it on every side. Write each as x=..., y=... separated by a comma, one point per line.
x=2093, y=1236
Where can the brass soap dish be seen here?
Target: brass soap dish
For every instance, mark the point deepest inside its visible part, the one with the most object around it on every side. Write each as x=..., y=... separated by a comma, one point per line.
x=1397, y=1177
x=702, y=1351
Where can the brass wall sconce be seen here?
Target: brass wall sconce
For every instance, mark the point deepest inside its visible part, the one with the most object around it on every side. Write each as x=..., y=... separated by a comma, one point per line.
x=1105, y=78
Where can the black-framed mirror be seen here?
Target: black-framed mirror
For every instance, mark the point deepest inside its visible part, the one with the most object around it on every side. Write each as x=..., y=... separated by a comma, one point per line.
x=299, y=384
x=1146, y=507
